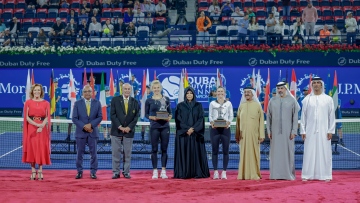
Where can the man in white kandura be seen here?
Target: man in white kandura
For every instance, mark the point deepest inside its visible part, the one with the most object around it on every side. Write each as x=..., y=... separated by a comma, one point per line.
x=282, y=125
x=317, y=127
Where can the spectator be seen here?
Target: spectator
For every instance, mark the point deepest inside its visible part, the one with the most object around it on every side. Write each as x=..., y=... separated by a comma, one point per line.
x=83, y=15
x=324, y=35
x=227, y=8
x=95, y=14
x=116, y=4
x=29, y=40
x=149, y=20
x=138, y=17
x=15, y=27
x=81, y=39
x=351, y=26
x=97, y=5
x=64, y=4
x=335, y=35
x=137, y=5
x=120, y=28
x=270, y=28
x=250, y=12
x=43, y=4
x=108, y=29
x=310, y=17
x=72, y=27
x=30, y=9
x=41, y=38
x=84, y=27
x=57, y=30
x=128, y=16
x=238, y=14
x=128, y=4
x=279, y=31
x=203, y=25
x=106, y=3
x=296, y=41
x=275, y=13
x=68, y=39
x=243, y=27
x=253, y=29
x=130, y=30
x=72, y=16
x=85, y=6
x=149, y=7
x=160, y=9
x=215, y=11
x=94, y=27
x=298, y=29
x=32, y=3
x=8, y=39
x=2, y=26
x=286, y=9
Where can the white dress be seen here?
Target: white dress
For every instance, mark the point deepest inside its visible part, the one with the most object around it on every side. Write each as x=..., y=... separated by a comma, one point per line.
x=317, y=120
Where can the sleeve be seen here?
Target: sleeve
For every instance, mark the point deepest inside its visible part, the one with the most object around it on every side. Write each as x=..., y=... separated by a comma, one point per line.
x=295, y=118
x=231, y=113
x=261, y=123
x=48, y=115
x=114, y=120
x=200, y=123
x=25, y=126
x=303, y=116
x=98, y=117
x=238, y=129
x=269, y=118
x=211, y=119
x=147, y=108
x=331, y=116
x=132, y=124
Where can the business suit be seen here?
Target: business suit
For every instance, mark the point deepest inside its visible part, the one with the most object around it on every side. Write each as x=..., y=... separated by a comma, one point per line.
x=121, y=142
x=80, y=119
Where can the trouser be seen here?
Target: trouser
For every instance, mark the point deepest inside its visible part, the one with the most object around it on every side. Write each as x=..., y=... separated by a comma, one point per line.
x=310, y=28
x=286, y=11
x=80, y=145
x=253, y=37
x=163, y=134
x=351, y=38
x=217, y=134
x=242, y=38
x=203, y=38
x=121, y=147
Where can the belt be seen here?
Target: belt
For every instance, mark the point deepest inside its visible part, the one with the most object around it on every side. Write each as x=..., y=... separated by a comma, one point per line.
x=35, y=118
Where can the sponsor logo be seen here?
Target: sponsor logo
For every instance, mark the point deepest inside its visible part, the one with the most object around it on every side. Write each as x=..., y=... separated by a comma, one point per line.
x=79, y=63
x=342, y=61
x=252, y=62
x=25, y=64
x=166, y=62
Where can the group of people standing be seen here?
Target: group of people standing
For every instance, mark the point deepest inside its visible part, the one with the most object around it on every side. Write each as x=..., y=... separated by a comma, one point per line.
x=190, y=161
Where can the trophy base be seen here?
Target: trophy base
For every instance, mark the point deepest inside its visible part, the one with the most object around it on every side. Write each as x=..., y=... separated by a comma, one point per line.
x=220, y=123
x=162, y=115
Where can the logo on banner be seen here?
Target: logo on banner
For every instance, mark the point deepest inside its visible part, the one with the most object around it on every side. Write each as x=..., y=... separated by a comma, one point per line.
x=252, y=62
x=248, y=80
x=63, y=84
x=342, y=61
x=79, y=63
x=166, y=62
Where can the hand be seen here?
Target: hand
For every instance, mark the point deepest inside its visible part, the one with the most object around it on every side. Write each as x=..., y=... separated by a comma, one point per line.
x=127, y=129
x=122, y=129
x=270, y=136
x=329, y=136
x=190, y=131
x=153, y=118
x=212, y=125
x=303, y=136
x=292, y=136
x=261, y=140
x=169, y=118
x=87, y=127
x=227, y=124
x=237, y=139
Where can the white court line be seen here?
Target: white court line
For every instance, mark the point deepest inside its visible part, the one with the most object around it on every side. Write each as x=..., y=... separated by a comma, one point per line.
x=10, y=152
x=343, y=148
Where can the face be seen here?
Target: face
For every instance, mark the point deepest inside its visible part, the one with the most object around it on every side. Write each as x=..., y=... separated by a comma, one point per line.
x=93, y=19
x=281, y=20
x=297, y=19
x=84, y=21
x=107, y=93
x=156, y=88
x=248, y=95
x=72, y=12
x=108, y=22
x=271, y=15
x=55, y=84
x=306, y=92
x=189, y=95
x=37, y=92
x=316, y=85
x=15, y=20
x=80, y=32
x=58, y=21
x=202, y=14
x=87, y=92
x=120, y=20
x=131, y=24
x=309, y=5
x=148, y=90
x=72, y=21
x=220, y=93
x=237, y=9
x=282, y=91
x=325, y=27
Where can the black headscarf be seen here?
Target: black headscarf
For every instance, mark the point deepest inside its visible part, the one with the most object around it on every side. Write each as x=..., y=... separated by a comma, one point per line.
x=191, y=103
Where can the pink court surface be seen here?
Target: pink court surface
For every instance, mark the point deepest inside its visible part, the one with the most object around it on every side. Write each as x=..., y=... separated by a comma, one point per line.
x=60, y=186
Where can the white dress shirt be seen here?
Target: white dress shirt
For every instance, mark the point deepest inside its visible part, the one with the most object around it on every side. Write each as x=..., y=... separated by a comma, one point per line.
x=227, y=111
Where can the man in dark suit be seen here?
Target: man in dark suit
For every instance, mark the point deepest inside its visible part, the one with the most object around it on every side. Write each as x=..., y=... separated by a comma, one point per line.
x=124, y=116
x=120, y=28
x=87, y=116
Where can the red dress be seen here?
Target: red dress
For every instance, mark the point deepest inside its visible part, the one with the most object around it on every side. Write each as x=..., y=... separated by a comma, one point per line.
x=36, y=146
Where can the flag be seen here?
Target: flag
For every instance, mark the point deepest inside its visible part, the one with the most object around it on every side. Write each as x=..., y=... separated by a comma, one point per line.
x=181, y=87
x=145, y=82
x=218, y=78
x=258, y=84
x=309, y=91
x=103, y=98
x=52, y=93
x=334, y=93
x=72, y=93
x=111, y=83
x=132, y=91
x=253, y=82
x=293, y=85
x=279, y=76
x=92, y=83
x=155, y=75
x=28, y=86
x=328, y=84
x=32, y=77
x=186, y=79
x=119, y=90
x=85, y=79
x=267, y=92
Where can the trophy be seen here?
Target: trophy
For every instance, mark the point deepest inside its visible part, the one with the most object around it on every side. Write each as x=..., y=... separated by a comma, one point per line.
x=162, y=113
x=220, y=122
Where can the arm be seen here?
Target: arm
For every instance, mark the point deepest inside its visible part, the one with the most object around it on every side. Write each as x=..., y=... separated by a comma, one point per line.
x=169, y=108
x=114, y=119
x=75, y=117
x=283, y=30
x=316, y=15
x=199, y=125
x=98, y=117
x=269, y=119
x=147, y=109
x=295, y=117
x=179, y=119
x=238, y=129
x=331, y=116
x=261, y=127
x=231, y=113
x=303, y=117
x=211, y=119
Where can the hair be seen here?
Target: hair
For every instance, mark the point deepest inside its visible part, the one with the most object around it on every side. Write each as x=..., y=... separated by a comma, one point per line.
x=155, y=82
x=32, y=90
x=281, y=18
x=221, y=87
x=250, y=20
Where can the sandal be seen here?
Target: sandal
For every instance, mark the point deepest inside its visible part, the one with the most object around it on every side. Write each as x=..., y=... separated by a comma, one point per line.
x=40, y=175
x=33, y=176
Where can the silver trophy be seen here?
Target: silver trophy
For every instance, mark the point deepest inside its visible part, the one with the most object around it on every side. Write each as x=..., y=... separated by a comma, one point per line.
x=162, y=113
x=220, y=122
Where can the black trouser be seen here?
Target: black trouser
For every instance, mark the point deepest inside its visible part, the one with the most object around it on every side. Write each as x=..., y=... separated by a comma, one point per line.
x=217, y=134
x=163, y=134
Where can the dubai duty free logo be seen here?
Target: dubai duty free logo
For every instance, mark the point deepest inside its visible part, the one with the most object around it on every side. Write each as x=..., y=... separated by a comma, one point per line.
x=166, y=62
x=342, y=61
x=79, y=63
x=252, y=62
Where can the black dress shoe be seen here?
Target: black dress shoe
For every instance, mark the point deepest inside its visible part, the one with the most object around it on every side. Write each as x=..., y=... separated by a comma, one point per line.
x=116, y=176
x=78, y=176
x=126, y=175
x=93, y=176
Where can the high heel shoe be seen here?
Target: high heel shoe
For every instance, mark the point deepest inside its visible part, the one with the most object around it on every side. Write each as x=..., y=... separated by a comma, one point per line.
x=40, y=175
x=33, y=176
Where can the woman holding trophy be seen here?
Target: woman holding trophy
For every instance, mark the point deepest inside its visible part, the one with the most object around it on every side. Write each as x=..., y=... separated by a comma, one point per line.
x=220, y=116
x=158, y=111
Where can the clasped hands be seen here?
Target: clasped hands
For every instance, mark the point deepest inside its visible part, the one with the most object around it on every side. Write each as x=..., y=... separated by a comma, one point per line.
x=190, y=131
x=88, y=128
x=40, y=127
x=124, y=129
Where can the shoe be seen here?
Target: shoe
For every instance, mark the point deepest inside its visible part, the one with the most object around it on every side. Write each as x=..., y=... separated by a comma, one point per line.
x=116, y=176
x=78, y=176
x=93, y=176
x=163, y=174
x=155, y=174
x=40, y=175
x=304, y=179
x=216, y=175
x=223, y=175
x=126, y=175
x=33, y=176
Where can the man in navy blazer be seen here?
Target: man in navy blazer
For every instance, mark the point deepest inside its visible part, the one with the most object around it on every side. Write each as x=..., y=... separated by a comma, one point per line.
x=87, y=121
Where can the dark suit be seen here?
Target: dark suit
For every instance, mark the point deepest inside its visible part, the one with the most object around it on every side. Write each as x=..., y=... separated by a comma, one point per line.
x=121, y=143
x=118, y=27
x=80, y=119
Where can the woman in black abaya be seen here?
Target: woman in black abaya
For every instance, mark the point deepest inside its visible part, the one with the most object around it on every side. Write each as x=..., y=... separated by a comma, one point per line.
x=190, y=153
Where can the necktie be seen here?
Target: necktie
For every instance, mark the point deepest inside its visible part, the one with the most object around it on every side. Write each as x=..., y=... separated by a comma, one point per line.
x=88, y=107
x=126, y=106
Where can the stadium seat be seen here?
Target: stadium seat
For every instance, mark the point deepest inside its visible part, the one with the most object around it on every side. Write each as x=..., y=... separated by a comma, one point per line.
x=63, y=12
x=117, y=12
x=118, y=42
x=106, y=12
x=226, y=21
x=346, y=3
x=21, y=4
x=160, y=23
x=143, y=32
x=75, y=4
x=260, y=12
x=221, y=41
x=315, y=3
x=337, y=10
x=286, y=42
x=293, y=3
x=248, y=4
x=205, y=9
x=261, y=20
x=19, y=13
x=130, y=41
x=356, y=3
x=1, y=4
x=39, y=23
x=26, y=23
x=53, y=13
x=10, y=4
x=106, y=41
x=203, y=3
x=42, y=12
x=94, y=41
x=326, y=11
x=7, y=14
x=221, y=31
x=324, y=3
x=336, y=3
x=259, y=3
x=49, y=22
x=233, y=30
x=311, y=40
x=34, y=31
x=237, y=3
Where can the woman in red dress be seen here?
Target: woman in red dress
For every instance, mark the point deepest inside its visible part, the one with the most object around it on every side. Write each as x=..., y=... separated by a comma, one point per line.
x=36, y=137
